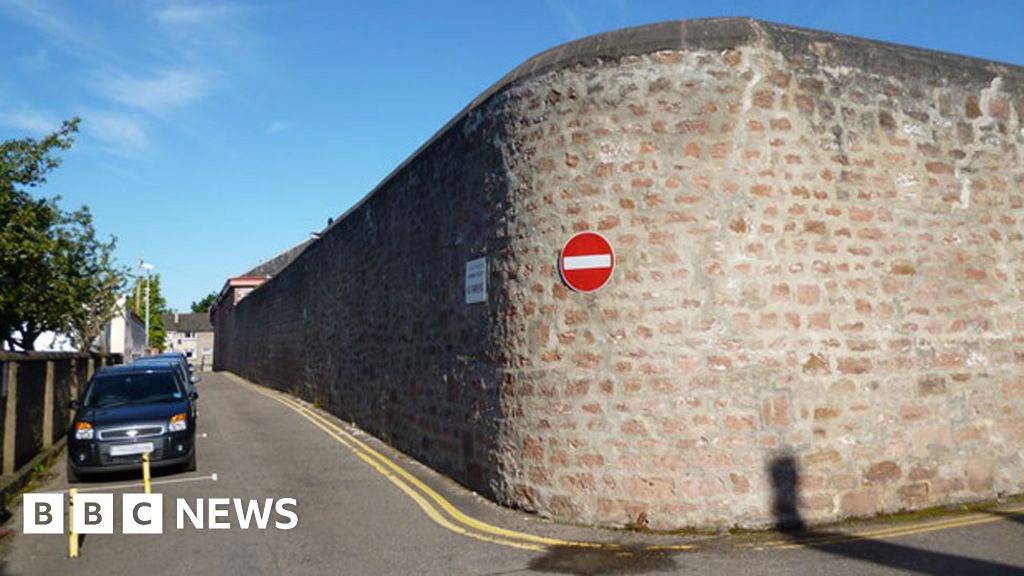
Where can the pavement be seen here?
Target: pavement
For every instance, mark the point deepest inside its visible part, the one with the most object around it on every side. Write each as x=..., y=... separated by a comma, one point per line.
x=365, y=509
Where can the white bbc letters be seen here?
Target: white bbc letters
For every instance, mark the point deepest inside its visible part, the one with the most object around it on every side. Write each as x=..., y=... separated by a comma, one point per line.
x=246, y=515
x=219, y=509
x=185, y=510
x=43, y=514
x=293, y=518
x=142, y=514
x=94, y=514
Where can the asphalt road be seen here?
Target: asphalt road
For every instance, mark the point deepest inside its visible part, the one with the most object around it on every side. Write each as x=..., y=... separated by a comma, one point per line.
x=364, y=510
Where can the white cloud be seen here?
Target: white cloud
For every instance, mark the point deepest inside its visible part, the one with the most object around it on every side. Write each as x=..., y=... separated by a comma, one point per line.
x=43, y=16
x=278, y=126
x=36, y=122
x=39, y=14
x=190, y=14
x=171, y=56
x=571, y=23
x=158, y=94
x=123, y=134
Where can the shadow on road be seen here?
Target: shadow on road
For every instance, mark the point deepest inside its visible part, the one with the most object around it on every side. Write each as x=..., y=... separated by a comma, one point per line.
x=124, y=477
x=785, y=477
x=1017, y=517
x=633, y=559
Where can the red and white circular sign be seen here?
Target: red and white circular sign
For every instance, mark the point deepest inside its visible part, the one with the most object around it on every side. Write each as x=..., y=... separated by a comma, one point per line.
x=587, y=262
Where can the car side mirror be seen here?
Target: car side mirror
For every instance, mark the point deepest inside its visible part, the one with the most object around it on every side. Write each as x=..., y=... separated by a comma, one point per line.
x=194, y=379
x=193, y=394
x=74, y=405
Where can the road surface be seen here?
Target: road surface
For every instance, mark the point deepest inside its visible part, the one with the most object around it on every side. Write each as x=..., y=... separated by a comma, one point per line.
x=364, y=510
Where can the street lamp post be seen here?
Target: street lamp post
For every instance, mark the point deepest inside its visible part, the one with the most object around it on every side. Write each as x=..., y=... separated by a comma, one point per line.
x=147, y=266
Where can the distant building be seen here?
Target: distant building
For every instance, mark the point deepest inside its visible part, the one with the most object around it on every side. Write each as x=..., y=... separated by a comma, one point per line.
x=240, y=286
x=276, y=263
x=191, y=334
x=234, y=290
x=126, y=333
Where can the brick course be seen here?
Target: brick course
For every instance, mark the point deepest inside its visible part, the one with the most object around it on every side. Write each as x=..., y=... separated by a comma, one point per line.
x=819, y=253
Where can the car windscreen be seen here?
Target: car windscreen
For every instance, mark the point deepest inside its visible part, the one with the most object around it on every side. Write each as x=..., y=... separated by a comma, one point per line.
x=163, y=362
x=158, y=360
x=139, y=388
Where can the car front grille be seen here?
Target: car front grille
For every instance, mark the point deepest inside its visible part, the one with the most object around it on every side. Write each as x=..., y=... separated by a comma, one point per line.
x=131, y=432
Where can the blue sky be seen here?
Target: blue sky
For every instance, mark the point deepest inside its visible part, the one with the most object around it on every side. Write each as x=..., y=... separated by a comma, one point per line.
x=216, y=134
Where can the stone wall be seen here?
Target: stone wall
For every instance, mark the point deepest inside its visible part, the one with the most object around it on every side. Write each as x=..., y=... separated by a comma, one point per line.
x=35, y=391
x=818, y=255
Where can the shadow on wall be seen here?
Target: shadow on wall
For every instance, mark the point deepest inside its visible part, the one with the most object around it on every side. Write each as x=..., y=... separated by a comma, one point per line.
x=785, y=477
x=784, y=473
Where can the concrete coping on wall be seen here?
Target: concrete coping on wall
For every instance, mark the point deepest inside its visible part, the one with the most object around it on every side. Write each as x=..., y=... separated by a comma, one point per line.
x=808, y=48
x=42, y=355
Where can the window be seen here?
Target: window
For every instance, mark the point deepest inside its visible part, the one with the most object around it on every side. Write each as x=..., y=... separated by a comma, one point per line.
x=142, y=388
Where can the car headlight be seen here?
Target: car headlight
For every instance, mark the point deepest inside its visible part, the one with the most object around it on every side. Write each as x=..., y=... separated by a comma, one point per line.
x=83, y=431
x=178, y=422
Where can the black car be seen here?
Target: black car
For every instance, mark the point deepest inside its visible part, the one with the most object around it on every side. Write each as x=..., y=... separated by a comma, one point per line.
x=170, y=356
x=177, y=357
x=188, y=381
x=127, y=411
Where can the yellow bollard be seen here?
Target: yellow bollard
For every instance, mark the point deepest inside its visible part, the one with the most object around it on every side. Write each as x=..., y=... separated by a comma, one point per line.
x=145, y=471
x=72, y=537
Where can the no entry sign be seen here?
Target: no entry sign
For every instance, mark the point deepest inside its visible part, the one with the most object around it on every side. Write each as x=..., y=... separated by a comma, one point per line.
x=587, y=262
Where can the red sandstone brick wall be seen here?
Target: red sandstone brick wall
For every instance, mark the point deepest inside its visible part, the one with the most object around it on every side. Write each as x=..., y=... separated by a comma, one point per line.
x=814, y=258
x=819, y=250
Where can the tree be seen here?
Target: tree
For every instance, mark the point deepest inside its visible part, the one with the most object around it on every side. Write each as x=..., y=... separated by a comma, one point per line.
x=93, y=279
x=203, y=305
x=157, y=309
x=26, y=162
x=32, y=299
x=54, y=274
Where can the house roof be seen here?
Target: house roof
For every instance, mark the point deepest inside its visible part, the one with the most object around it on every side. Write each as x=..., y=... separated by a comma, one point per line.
x=188, y=323
x=263, y=271
x=277, y=262
x=242, y=281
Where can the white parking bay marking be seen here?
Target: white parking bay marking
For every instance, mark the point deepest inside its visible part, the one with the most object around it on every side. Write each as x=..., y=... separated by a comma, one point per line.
x=586, y=262
x=211, y=477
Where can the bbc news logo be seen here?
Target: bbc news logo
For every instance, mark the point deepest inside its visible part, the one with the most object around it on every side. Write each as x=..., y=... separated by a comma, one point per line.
x=144, y=513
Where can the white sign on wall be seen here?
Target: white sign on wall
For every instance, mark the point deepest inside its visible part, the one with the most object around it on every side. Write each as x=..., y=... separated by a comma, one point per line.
x=476, y=281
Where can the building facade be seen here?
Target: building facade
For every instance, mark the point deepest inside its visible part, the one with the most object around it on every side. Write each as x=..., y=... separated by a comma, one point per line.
x=237, y=288
x=126, y=333
x=192, y=335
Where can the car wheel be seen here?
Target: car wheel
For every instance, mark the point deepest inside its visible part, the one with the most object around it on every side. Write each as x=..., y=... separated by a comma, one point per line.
x=190, y=466
x=72, y=475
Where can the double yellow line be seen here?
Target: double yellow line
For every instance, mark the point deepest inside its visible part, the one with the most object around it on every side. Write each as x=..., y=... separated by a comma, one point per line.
x=894, y=532
x=435, y=506
x=446, y=515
